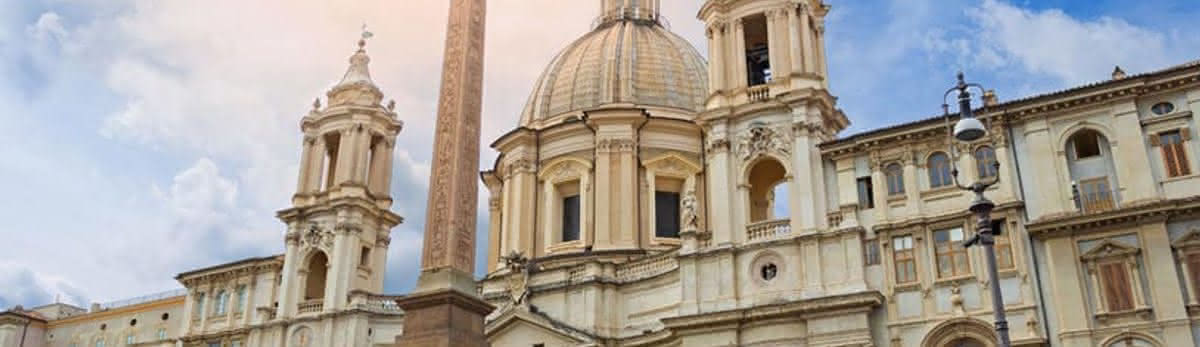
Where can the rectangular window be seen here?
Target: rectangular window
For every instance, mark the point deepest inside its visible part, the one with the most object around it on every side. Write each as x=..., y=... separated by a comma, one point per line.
x=198, y=306
x=951, y=255
x=1118, y=296
x=666, y=214
x=162, y=333
x=866, y=193
x=904, y=259
x=214, y=344
x=128, y=340
x=364, y=257
x=871, y=252
x=100, y=343
x=1003, y=246
x=1094, y=195
x=570, y=218
x=758, y=57
x=241, y=298
x=895, y=179
x=1193, y=268
x=1174, y=155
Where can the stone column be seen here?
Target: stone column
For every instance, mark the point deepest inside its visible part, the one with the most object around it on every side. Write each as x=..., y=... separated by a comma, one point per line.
x=445, y=309
x=316, y=163
x=822, y=68
x=806, y=39
x=306, y=157
x=803, y=200
x=795, y=47
x=772, y=16
x=739, y=55
x=719, y=181
x=781, y=65
x=345, y=158
x=718, y=57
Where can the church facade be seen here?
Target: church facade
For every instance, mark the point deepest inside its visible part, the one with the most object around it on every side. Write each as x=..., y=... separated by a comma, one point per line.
x=651, y=195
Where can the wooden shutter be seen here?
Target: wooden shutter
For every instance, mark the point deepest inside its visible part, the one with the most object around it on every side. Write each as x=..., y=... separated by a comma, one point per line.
x=1193, y=268
x=1181, y=161
x=1117, y=291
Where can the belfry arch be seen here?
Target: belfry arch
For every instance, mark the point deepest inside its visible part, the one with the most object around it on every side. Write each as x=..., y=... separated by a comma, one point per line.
x=314, y=283
x=767, y=180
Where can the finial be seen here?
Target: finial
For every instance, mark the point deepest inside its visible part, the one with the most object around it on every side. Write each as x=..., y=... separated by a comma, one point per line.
x=961, y=80
x=1118, y=73
x=317, y=104
x=391, y=105
x=365, y=35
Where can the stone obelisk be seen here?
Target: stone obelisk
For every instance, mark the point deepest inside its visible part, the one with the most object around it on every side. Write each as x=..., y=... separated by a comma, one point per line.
x=445, y=310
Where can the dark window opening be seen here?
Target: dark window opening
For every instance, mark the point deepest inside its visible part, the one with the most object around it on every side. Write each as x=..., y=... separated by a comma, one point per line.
x=769, y=271
x=1087, y=144
x=570, y=218
x=758, y=61
x=866, y=193
x=365, y=256
x=666, y=214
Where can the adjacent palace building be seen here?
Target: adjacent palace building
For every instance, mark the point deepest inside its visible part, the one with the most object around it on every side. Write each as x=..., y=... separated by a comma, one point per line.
x=651, y=196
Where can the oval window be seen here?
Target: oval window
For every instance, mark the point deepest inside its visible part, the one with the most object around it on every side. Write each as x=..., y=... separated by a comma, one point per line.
x=1162, y=108
x=769, y=271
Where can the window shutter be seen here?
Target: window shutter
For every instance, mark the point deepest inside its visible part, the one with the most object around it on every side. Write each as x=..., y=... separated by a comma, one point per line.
x=1185, y=134
x=1117, y=291
x=1168, y=152
x=1156, y=140
x=1193, y=264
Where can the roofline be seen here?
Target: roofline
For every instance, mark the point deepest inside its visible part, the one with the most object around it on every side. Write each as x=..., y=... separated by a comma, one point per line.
x=229, y=264
x=21, y=314
x=1015, y=103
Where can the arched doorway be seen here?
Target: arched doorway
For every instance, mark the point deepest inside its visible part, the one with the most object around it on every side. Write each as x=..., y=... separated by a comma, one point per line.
x=768, y=190
x=314, y=284
x=961, y=332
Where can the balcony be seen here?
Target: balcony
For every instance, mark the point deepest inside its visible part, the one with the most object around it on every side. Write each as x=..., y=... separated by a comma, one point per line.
x=311, y=306
x=375, y=303
x=758, y=93
x=767, y=230
x=1094, y=196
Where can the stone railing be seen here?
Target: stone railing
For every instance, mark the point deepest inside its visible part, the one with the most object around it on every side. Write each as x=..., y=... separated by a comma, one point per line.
x=142, y=299
x=267, y=313
x=385, y=304
x=769, y=229
x=647, y=267
x=834, y=219
x=759, y=93
x=311, y=306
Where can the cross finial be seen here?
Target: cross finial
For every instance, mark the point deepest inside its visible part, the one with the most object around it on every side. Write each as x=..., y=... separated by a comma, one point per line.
x=365, y=35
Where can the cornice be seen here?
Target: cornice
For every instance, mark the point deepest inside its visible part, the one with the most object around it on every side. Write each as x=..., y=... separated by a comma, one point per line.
x=1024, y=109
x=1076, y=223
x=147, y=306
x=800, y=309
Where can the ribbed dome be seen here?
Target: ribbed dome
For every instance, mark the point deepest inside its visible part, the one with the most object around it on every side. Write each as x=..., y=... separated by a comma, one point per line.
x=630, y=60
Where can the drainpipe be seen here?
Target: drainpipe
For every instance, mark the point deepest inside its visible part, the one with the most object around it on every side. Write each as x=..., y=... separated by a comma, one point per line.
x=23, y=331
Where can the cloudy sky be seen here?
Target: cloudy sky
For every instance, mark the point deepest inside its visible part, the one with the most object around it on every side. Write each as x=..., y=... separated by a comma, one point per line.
x=143, y=138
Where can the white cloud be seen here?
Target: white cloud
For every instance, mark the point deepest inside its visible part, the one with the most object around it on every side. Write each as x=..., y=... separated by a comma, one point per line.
x=23, y=285
x=1074, y=51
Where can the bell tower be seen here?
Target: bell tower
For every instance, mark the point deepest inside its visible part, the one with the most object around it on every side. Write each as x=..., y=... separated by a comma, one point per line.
x=340, y=221
x=768, y=108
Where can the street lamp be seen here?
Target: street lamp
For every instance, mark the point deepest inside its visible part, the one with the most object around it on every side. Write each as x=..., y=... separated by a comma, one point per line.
x=966, y=130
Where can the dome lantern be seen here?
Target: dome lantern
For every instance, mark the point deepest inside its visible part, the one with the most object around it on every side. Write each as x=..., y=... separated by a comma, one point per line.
x=617, y=10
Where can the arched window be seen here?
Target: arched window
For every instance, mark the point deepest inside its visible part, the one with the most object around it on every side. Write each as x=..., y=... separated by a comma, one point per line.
x=767, y=189
x=939, y=170
x=314, y=285
x=895, y=179
x=222, y=303
x=985, y=162
x=198, y=306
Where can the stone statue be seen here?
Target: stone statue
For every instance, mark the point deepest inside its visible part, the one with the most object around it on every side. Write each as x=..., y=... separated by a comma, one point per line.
x=689, y=217
x=518, y=278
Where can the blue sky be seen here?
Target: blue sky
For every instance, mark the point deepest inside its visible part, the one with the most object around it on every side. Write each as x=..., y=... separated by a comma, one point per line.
x=144, y=138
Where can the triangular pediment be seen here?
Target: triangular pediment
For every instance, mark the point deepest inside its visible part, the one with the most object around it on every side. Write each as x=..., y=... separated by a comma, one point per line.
x=1189, y=240
x=516, y=326
x=1110, y=248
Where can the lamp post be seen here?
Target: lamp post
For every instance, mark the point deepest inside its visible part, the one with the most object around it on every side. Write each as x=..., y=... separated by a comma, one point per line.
x=966, y=130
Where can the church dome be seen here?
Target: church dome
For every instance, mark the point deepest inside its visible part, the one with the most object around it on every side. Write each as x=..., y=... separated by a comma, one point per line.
x=629, y=58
